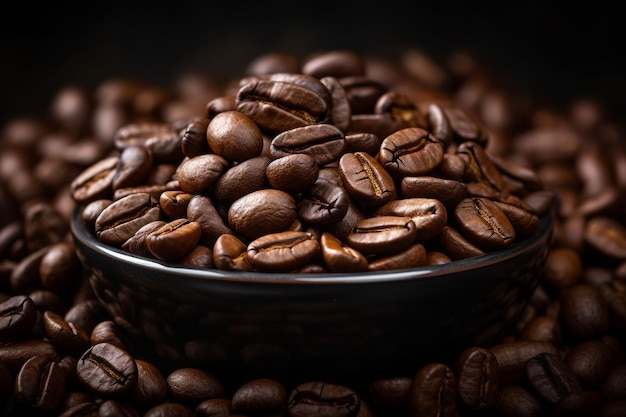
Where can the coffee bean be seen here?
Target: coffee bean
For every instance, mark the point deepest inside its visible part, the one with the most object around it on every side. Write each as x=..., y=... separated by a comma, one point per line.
x=107, y=370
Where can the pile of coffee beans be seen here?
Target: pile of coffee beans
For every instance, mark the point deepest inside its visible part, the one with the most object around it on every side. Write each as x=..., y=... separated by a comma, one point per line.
x=318, y=168
x=61, y=353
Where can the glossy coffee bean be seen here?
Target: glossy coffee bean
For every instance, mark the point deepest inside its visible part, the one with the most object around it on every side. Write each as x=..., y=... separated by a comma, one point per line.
x=17, y=316
x=433, y=391
x=262, y=212
x=283, y=251
x=477, y=375
x=261, y=395
x=40, y=383
x=234, y=136
x=484, y=223
x=319, y=398
x=365, y=179
x=410, y=152
x=322, y=142
x=107, y=370
x=174, y=240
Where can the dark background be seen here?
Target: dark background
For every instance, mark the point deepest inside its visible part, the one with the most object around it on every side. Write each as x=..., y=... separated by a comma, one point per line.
x=557, y=53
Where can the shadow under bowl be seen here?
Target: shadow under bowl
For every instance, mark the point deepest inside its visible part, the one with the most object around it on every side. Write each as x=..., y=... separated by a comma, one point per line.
x=312, y=326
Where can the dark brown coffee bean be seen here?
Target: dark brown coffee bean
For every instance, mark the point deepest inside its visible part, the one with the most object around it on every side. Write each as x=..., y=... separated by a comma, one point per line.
x=14, y=355
x=40, y=383
x=234, y=136
x=60, y=266
x=401, y=107
x=200, y=257
x=219, y=105
x=362, y=142
x=192, y=385
x=163, y=141
x=319, y=398
x=583, y=313
x=363, y=92
x=412, y=257
x=484, y=223
x=107, y=370
x=66, y=336
x=196, y=175
x=231, y=254
x=339, y=257
x=122, y=218
x=200, y=209
x=174, y=203
x=465, y=128
x=136, y=244
x=241, y=179
x=614, y=295
x=322, y=142
x=263, y=395
x=433, y=391
x=456, y=246
x=44, y=225
x=438, y=124
x=365, y=179
x=449, y=192
x=607, y=236
x=379, y=125
x=134, y=165
x=151, y=387
x=437, y=258
x=277, y=106
x=429, y=215
x=283, y=251
x=95, y=182
x=194, y=140
x=24, y=277
x=340, y=110
x=174, y=240
x=115, y=408
x=324, y=204
x=17, y=316
x=551, y=378
x=477, y=377
x=262, y=212
x=524, y=222
x=294, y=173
x=106, y=332
x=339, y=63
x=410, y=152
x=383, y=235
x=591, y=361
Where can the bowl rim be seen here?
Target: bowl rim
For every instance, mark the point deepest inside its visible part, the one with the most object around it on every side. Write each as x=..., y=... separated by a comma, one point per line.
x=83, y=236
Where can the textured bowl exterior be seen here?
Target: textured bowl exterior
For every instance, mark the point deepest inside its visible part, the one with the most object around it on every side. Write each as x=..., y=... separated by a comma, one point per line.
x=313, y=326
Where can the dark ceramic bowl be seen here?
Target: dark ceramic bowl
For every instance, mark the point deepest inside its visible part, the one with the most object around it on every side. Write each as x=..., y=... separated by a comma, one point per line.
x=312, y=326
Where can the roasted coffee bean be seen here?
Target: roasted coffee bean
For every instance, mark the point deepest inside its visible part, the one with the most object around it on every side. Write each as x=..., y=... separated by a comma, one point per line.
x=261, y=395
x=151, y=387
x=362, y=142
x=136, y=244
x=135, y=162
x=115, y=408
x=14, y=355
x=43, y=226
x=607, y=236
x=169, y=409
x=163, y=141
x=283, y=251
x=17, y=316
x=410, y=152
x=192, y=385
x=262, y=212
x=456, y=246
x=243, y=178
x=319, y=398
x=583, y=313
x=363, y=92
x=174, y=240
x=323, y=204
x=107, y=370
x=59, y=267
x=95, y=182
x=194, y=140
x=383, y=235
x=412, y=257
x=591, y=361
x=196, y=175
x=429, y=215
x=322, y=142
x=449, y=192
x=365, y=179
x=277, y=106
x=294, y=173
x=234, y=136
x=40, y=383
x=477, y=377
x=231, y=254
x=122, y=218
x=218, y=105
x=465, y=128
x=174, y=203
x=484, y=223
x=389, y=394
x=200, y=257
x=340, y=110
x=200, y=209
x=433, y=391
x=66, y=336
x=437, y=123
x=215, y=407
x=517, y=401
x=106, y=332
x=340, y=63
x=551, y=378
x=339, y=257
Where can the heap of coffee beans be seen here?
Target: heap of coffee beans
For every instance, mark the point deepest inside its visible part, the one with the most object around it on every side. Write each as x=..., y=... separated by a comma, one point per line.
x=318, y=168
x=61, y=353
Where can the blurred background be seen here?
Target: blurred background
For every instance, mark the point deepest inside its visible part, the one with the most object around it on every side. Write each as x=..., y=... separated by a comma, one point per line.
x=555, y=53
